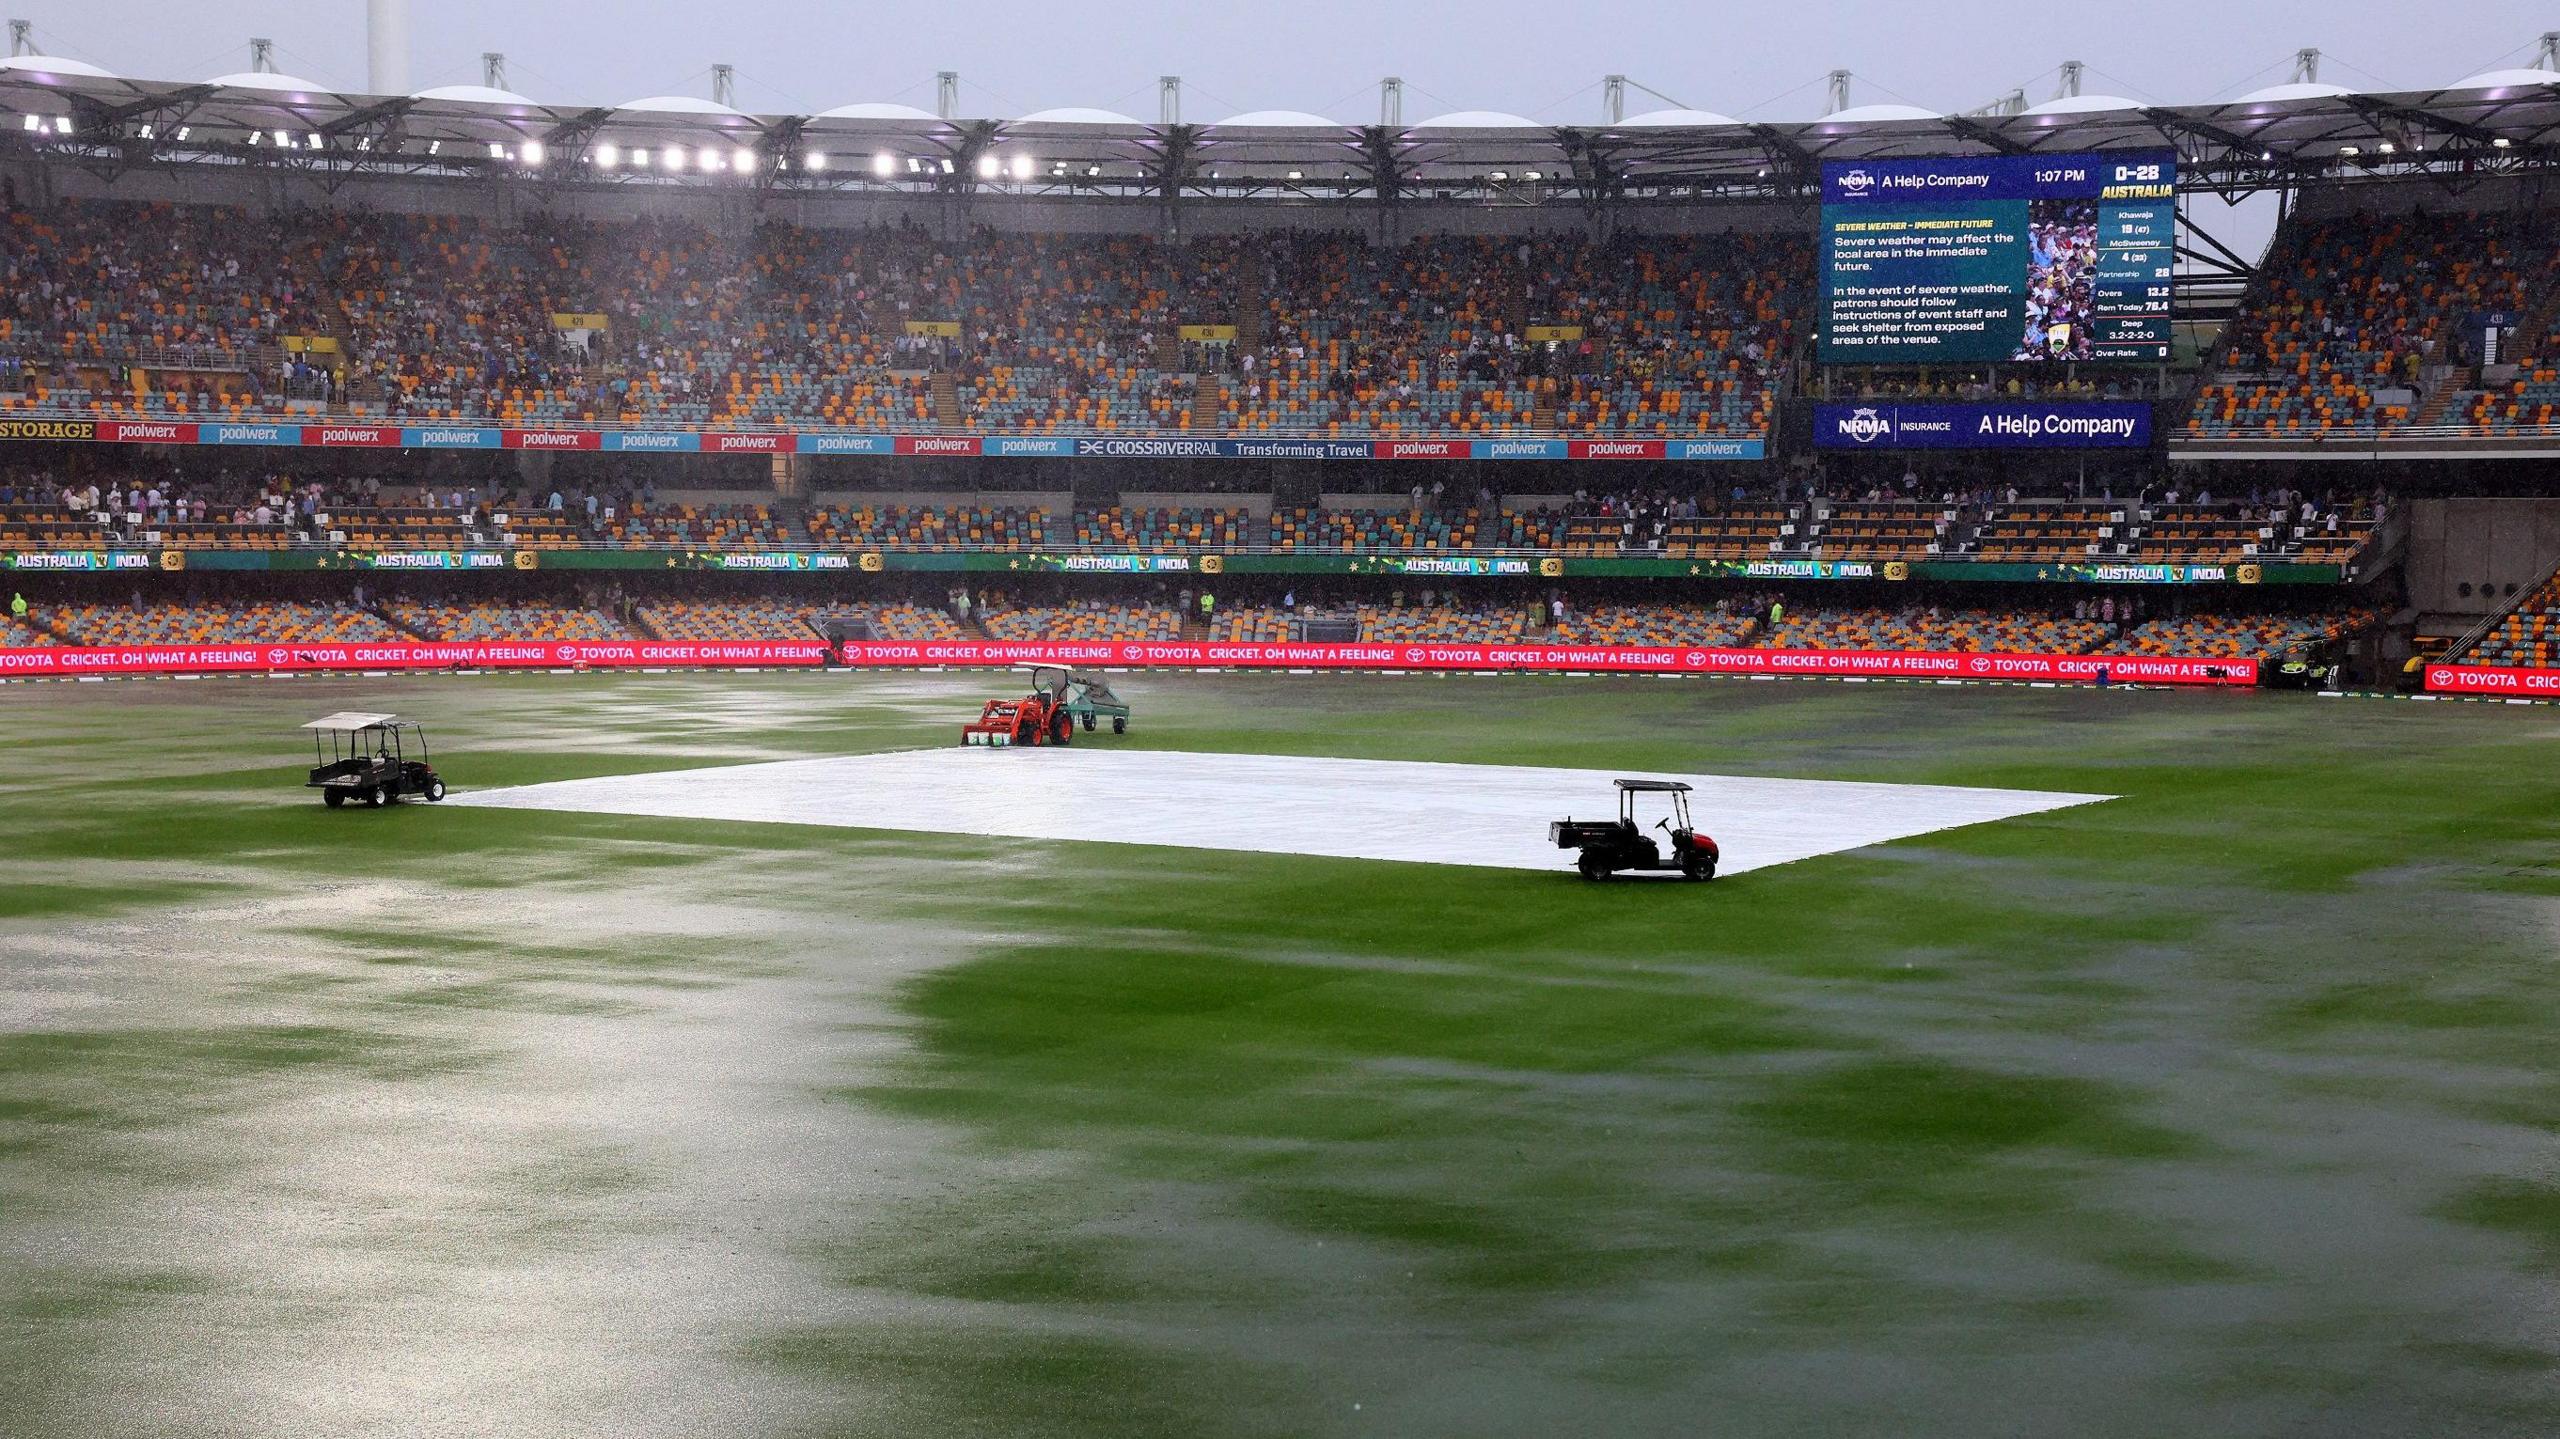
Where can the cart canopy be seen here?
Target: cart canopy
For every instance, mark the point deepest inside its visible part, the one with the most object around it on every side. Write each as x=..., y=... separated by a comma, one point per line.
x=353, y=720
x=1652, y=786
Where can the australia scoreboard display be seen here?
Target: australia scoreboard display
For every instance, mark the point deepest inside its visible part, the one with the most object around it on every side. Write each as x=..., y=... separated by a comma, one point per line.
x=1998, y=259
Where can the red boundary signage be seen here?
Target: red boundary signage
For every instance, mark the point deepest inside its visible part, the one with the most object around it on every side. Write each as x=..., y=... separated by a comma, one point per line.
x=2494, y=680
x=1172, y=654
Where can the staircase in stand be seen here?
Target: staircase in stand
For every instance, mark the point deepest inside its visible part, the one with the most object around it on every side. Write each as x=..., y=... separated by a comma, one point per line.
x=1542, y=407
x=1249, y=302
x=946, y=400
x=1208, y=403
x=2431, y=410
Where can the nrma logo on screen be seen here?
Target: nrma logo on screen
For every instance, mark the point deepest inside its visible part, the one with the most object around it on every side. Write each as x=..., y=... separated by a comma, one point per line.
x=1855, y=182
x=1865, y=426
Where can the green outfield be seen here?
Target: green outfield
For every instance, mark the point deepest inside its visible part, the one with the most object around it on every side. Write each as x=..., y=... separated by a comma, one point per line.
x=2228, y=1106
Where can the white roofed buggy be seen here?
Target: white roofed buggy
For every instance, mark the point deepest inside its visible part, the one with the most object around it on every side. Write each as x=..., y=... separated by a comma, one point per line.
x=370, y=759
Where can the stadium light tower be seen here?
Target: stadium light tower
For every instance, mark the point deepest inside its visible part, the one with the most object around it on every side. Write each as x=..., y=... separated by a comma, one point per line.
x=262, y=56
x=1613, y=99
x=22, y=39
x=386, y=46
x=1169, y=99
x=2547, y=55
x=946, y=94
x=1837, y=100
x=724, y=85
x=493, y=69
x=2306, y=65
x=2069, y=89
x=1391, y=102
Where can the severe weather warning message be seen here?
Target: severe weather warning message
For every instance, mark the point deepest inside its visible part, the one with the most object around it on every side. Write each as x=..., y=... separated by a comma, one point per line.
x=1998, y=259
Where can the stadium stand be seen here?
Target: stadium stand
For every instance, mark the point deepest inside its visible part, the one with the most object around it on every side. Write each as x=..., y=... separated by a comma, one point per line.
x=494, y=620
x=1089, y=620
x=1444, y=623
x=2528, y=636
x=1931, y=627
x=770, y=619
x=208, y=623
x=2237, y=635
x=219, y=313
x=1370, y=531
x=1625, y=624
x=2352, y=305
x=929, y=527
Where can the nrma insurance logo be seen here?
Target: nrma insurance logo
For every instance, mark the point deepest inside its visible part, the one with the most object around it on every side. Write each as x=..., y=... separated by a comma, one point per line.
x=1865, y=426
x=1854, y=183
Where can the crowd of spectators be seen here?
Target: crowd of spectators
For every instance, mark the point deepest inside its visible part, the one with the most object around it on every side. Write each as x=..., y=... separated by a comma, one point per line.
x=2351, y=313
x=166, y=310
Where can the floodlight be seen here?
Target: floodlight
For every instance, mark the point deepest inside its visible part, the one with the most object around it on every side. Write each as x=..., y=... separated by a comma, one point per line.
x=988, y=167
x=1022, y=167
x=607, y=156
x=531, y=152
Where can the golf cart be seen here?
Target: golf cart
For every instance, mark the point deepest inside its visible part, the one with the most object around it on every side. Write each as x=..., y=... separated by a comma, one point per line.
x=1084, y=697
x=2302, y=667
x=364, y=759
x=1608, y=846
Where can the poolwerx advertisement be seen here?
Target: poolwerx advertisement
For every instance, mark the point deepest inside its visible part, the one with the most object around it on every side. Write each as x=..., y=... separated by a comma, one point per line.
x=1664, y=659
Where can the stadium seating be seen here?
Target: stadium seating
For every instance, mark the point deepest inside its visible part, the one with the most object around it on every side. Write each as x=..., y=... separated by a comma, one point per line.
x=1918, y=627
x=2237, y=635
x=218, y=313
x=774, y=619
x=1618, y=624
x=928, y=527
x=16, y=636
x=2352, y=305
x=1090, y=621
x=1445, y=623
x=1369, y=531
x=494, y=620
x=242, y=622
x=2528, y=637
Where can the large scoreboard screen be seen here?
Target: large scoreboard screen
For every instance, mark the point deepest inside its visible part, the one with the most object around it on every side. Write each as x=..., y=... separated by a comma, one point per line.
x=1997, y=259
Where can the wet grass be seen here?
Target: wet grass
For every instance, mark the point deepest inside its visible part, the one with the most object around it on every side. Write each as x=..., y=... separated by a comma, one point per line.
x=2224, y=1099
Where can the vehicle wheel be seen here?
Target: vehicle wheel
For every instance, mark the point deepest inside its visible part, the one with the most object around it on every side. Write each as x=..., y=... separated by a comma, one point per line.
x=333, y=797
x=1593, y=867
x=1088, y=724
x=1699, y=866
x=1065, y=732
x=372, y=796
x=1119, y=725
x=435, y=791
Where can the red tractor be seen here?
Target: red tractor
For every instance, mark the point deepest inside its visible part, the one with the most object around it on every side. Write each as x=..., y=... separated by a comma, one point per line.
x=1035, y=719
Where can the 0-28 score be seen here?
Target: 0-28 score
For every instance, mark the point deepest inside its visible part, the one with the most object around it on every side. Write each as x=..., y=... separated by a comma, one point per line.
x=2136, y=174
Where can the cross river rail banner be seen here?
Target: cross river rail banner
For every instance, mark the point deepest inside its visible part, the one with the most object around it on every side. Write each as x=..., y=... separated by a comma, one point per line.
x=1992, y=259
x=62, y=661
x=2048, y=425
x=348, y=435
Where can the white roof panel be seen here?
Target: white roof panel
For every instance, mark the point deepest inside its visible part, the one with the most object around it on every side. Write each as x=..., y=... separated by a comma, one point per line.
x=350, y=720
x=1674, y=120
x=1076, y=115
x=269, y=80
x=55, y=65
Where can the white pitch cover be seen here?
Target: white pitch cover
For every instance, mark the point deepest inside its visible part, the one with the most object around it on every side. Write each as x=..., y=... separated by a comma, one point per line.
x=1484, y=815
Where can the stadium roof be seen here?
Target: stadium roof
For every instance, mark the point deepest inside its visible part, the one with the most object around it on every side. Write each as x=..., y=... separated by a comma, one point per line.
x=54, y=65
x=2500, y=122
